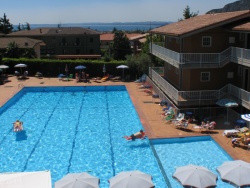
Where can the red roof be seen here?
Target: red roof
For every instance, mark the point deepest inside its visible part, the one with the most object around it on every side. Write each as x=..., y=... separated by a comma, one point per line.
x=200, y=23
x=110, y=36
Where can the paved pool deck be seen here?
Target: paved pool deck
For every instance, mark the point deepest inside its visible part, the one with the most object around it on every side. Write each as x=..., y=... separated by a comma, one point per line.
x=147, y=108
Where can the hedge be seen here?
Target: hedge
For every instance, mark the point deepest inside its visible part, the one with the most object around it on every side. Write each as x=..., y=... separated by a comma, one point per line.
x=54, y=67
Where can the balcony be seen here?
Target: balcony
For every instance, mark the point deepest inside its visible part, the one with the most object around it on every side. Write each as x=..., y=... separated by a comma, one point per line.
x=198, y=98
x=202, y=60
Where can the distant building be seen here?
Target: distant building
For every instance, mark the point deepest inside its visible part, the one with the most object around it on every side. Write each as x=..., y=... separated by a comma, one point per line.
x=136, y=39
x=22, y=42
x=65, y=42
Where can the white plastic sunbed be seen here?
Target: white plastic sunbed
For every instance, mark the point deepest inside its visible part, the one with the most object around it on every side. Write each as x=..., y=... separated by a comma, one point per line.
x=232, y=132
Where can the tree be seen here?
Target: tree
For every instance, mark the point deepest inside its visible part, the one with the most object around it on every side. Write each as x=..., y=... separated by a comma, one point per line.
x=28, y=52
x=187, y=14
x=155, y=39
x=121, y=46
x=19, y=27
x=27, y=26
x=5, y=25
x=114, y=30
x=138, y=64
x=12, y=50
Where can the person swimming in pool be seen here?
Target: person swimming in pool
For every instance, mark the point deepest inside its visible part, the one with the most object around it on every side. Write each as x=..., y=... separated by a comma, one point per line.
x=17, y=126
x=139, y=135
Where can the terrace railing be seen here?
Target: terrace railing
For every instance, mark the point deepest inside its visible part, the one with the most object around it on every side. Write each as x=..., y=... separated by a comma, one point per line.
x=200, y=97
x=202, y=60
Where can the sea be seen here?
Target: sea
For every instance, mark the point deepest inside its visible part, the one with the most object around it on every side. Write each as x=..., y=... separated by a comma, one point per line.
x=106, y=27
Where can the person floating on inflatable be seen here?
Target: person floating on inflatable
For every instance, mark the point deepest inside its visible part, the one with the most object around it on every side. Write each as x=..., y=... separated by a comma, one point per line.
x=18, y=126
x=139, y=135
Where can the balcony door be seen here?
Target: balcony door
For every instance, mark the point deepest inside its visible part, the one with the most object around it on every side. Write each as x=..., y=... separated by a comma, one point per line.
x=246, y=79
x=248, y=41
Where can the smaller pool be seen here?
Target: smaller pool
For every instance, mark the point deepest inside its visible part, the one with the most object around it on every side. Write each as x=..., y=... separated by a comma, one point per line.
x=201, y=150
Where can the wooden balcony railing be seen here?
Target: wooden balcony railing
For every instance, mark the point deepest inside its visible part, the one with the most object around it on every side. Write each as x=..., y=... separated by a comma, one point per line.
x=201, y=97
x=202, y=60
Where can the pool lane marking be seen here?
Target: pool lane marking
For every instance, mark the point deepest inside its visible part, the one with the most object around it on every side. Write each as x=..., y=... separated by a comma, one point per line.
x=76, y=131
x=44, y=128
x=160, y=165
x=110, y=135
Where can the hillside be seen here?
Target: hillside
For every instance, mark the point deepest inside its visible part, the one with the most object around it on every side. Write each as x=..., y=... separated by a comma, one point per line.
x=231, y=7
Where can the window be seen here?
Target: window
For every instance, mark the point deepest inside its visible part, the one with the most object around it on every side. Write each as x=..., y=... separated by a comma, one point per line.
x=205, y=76
x=77, y=42
x=64, y=42
x=77, y=51
x=242, y=36
x=206, y=41
x=230, y=75
x=169, y=66
x=91, y=40
x=231, y=40
x=176, y=71
x=239, y=71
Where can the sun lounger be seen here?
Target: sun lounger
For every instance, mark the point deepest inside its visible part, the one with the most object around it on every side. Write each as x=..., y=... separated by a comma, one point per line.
x=105, y=78
x=38, y=75
x=170, y=116
x=145, y=86
x=197, y=127
x=179, y=118
x=148, y=92
x=229, y=133
x=208, y=127
x=116, y=78
x=240, y=134
x=234, y=132
x=183, y=124
x=141, y=79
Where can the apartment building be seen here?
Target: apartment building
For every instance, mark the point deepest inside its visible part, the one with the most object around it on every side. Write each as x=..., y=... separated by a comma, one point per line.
x=207, y=58
x=65, y=42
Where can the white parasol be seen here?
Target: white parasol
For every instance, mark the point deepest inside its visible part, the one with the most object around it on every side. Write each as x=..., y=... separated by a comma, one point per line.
x=20, y=66
x=122, y=67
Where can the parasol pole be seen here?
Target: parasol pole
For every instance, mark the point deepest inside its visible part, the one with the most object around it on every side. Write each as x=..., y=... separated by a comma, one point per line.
x=227, y=122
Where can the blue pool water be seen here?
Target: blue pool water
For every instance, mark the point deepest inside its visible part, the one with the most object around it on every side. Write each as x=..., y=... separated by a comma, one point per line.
x=202, y=151
x=74, y=129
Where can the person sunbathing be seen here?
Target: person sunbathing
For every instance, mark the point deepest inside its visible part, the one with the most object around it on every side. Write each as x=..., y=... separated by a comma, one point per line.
x=208, y=125
x=245, y=139
x=139, y=135
x=18, y=126
x=183, y=121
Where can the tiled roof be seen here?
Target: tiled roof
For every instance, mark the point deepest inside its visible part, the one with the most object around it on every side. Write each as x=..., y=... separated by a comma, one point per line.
x=138, y=37
x=56, y=31
x=242, y=27
x=22, y=42
x=200, y=23
x=107, y=36
x=110, y=36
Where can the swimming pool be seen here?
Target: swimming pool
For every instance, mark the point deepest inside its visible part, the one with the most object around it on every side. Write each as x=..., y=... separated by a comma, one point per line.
x=200, y=150
x=74, y=129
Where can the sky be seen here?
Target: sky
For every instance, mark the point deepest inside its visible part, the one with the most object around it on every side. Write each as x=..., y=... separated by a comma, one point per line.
x=85, y=11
